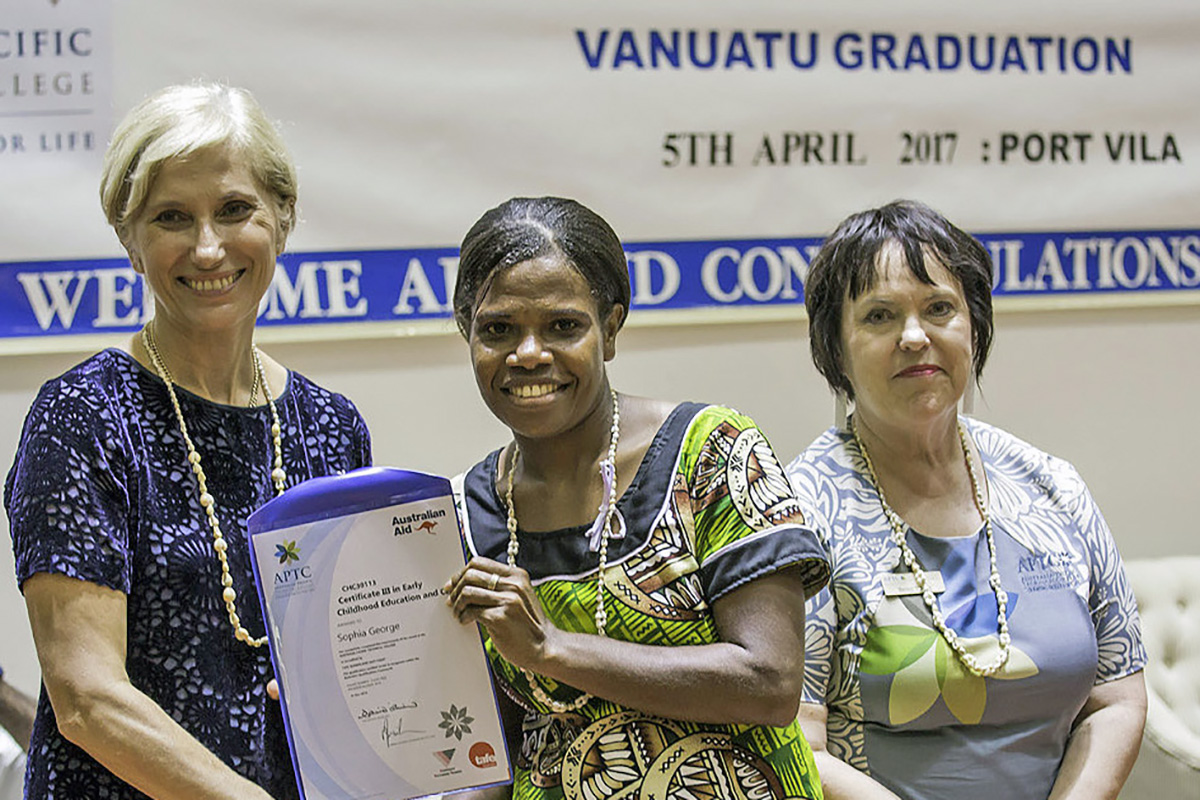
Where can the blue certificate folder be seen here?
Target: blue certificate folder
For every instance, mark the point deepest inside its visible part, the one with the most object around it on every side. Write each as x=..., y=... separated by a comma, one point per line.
x=385, y=696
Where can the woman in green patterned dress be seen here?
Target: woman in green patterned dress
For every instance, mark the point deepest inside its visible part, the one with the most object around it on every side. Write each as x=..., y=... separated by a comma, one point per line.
x=638, y=566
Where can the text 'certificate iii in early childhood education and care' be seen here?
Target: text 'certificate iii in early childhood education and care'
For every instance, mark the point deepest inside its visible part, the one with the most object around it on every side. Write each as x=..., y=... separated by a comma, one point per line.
x=385, y=694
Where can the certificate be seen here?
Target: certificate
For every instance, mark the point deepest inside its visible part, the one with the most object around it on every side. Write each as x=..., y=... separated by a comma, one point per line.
x=384, y=694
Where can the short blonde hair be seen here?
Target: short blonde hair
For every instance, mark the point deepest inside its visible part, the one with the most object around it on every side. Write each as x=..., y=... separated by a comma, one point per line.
x=181, y=120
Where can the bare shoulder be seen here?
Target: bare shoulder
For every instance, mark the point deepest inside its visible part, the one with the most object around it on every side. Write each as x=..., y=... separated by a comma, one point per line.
x=135, y=348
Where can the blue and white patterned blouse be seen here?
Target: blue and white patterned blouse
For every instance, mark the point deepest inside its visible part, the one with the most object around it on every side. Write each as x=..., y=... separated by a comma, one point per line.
x=101, y=491
x=900, y=705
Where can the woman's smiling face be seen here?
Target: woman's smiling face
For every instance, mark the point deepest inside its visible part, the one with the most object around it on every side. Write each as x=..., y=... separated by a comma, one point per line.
x=538, y=347
x=206, y=240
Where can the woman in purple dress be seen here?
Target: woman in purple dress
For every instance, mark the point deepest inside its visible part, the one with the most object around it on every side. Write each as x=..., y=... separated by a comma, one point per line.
x=137, y=469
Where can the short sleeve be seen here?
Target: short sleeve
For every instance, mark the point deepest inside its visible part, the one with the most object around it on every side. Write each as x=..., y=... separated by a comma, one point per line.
x=332, y=426
x=820, y=624
x=66, y=494
x=1110, y=598
x=820, y=613
x=746, y=519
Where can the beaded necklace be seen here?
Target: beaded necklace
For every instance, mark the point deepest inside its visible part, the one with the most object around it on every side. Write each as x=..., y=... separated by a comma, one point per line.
x=207, y=502
x=899, y=527
x=598, y=536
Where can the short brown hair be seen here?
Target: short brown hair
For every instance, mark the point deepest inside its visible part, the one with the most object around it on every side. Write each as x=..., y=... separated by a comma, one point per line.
x=845, y=267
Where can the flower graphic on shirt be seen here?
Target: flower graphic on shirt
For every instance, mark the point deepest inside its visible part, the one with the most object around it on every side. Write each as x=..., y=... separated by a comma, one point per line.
x=924, y=667
x=287, y=551
x=456, y=722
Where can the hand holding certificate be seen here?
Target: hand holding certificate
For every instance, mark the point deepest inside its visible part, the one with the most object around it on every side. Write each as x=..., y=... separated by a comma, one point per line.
x=384, y=696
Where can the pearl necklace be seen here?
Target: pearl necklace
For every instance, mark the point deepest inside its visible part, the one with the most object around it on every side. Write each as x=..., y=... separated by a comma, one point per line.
x=207, y=502
x=599, y=534
x=910, y=559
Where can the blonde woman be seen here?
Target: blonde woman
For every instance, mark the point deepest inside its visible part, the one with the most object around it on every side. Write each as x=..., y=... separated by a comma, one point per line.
x=137, y=469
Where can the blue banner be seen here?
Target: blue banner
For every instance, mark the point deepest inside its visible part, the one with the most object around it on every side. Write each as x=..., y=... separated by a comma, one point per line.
x=56, y=298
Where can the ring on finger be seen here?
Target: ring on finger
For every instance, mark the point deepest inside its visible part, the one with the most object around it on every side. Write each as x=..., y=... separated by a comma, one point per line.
x=493, y=582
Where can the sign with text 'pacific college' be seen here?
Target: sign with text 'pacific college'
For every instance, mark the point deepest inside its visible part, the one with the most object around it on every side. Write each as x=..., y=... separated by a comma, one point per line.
x=55, y=85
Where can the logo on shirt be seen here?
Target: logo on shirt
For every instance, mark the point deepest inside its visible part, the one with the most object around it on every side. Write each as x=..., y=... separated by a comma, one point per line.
x=1044, y=572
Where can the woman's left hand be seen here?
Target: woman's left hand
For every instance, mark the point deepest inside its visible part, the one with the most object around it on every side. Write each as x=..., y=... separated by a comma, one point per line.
x=501, y=599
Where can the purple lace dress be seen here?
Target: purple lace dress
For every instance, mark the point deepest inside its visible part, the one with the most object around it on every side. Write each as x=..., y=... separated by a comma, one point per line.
x=101, y=491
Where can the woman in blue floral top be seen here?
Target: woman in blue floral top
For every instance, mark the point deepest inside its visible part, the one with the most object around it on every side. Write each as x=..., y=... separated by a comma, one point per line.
x=978, y=637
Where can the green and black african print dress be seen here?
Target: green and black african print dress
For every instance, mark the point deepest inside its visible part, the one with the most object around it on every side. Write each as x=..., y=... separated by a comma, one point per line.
x=709, y=510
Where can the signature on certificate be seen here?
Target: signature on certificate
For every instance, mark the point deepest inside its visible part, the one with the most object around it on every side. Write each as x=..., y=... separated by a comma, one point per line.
x=393, y=732
x=366, y=714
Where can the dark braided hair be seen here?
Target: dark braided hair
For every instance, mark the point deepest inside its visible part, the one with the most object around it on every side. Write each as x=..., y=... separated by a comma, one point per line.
x=525, y=228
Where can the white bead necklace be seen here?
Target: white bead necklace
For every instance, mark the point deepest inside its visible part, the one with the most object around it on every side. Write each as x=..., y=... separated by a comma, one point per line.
x=601, y=528
x=207, y=502
x=910, y=559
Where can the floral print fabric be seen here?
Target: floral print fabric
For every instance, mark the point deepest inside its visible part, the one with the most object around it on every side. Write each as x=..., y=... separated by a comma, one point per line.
x=900, y=705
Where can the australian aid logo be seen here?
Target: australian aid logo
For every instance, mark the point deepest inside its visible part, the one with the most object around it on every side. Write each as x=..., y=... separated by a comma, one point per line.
x=423, y=521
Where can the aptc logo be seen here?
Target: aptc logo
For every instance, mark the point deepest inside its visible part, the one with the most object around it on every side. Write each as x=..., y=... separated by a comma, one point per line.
x=456, y=722
x=287, y=552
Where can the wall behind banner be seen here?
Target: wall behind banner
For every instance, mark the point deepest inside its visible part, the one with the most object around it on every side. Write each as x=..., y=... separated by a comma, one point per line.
x=391, y=111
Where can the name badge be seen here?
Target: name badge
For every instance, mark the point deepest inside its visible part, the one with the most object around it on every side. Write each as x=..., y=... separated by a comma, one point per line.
x=896, y=584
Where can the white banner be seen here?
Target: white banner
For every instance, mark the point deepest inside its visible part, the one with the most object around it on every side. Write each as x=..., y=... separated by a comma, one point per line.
x=685, y=123
x=56, y=96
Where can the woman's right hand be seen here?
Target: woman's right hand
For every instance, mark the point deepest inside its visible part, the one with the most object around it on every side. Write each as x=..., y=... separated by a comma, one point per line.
x=501, y=598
